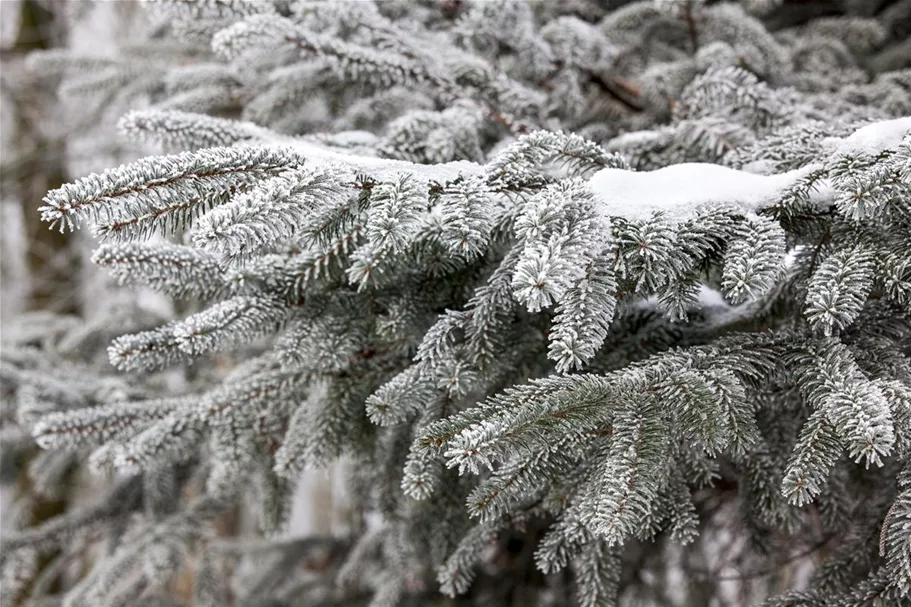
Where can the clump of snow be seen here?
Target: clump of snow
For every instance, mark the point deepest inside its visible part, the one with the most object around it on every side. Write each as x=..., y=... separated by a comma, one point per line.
x=873, y=138
x=822, y=193
x=678, y=190
x=711, y=298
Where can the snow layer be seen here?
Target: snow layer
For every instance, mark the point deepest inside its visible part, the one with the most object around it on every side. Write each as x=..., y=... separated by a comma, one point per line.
x=679, y=189
x=382, y=168
x=874, y=138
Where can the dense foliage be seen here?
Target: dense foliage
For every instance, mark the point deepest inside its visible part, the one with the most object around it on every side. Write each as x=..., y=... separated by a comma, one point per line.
x=592, y=303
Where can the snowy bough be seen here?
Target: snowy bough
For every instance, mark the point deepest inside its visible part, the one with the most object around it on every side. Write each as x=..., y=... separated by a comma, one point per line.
x=547, y=355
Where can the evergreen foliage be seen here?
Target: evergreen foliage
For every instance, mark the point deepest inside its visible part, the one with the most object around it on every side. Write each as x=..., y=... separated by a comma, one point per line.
x=594, y=300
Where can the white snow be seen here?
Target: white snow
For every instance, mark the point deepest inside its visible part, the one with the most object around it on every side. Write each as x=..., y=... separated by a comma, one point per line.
x=381, y=168
x=873, y=138
x=707, y=299
x=679, y=189
x=711, y=298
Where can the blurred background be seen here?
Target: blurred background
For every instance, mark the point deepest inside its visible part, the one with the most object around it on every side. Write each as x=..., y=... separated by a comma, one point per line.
x=48, y=138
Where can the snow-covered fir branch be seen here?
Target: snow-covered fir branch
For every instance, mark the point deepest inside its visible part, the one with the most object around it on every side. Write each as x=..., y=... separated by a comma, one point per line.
x=579, y=296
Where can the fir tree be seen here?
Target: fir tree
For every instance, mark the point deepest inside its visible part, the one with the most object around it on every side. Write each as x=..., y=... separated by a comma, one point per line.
x=596, y=303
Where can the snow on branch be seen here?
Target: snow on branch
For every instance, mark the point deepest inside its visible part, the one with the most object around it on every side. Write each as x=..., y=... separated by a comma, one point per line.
x=679, y=190
x=873, y=138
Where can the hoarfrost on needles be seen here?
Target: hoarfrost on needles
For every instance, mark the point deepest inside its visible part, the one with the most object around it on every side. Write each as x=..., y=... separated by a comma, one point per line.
x=383, y=168
x=392, y=239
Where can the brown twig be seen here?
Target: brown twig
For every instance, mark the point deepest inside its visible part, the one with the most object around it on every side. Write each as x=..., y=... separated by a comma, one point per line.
x=691, y=25
x=622, y=91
